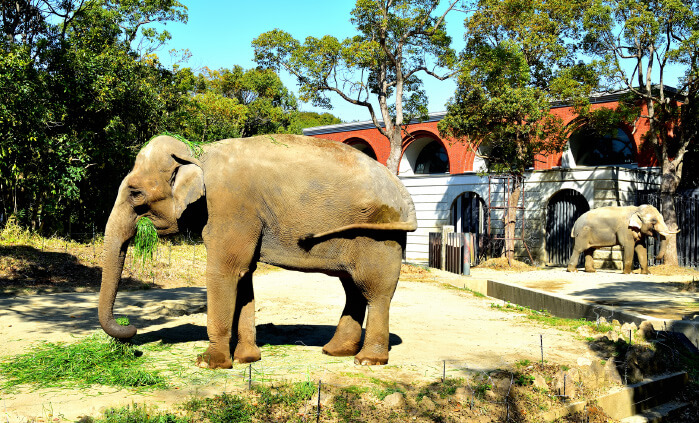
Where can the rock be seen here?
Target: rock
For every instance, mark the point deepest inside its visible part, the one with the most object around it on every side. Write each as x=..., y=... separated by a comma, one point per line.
x=490, y=396
x=613, y=336
x=584, y=331
x=502, y=386
x=462, y=395
x=615, y=323
x=564, y=384
x=584, y=361
x=395, y=400
x=326, y=400
x=427, y=403
x=626, y=327
x=601, y=321
x=611, y=374
x=646, y=330
x=540, y=382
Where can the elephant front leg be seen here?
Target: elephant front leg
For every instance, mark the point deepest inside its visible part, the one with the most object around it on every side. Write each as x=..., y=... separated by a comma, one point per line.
x=348, y=335
x=628, y=257
x=220, y=299
x=226, y=279
x=246, y=349
x=642, y=255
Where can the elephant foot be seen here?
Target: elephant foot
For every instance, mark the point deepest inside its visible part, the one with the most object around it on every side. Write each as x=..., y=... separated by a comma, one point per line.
x=246, y=353
x=590, y=270
x=363, y=359
x=341, y=349
x=214, y=360
x=572, y=269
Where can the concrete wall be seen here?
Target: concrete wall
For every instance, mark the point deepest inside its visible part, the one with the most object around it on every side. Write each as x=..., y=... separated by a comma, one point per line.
x=601, y=186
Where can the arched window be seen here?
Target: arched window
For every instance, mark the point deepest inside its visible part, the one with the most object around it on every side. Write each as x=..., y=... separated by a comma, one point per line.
x=424, y=155
x=432, y=159
x=591, y=149
x=362, y=146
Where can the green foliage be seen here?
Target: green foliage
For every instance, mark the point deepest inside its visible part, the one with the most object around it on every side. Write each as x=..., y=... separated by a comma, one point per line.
x=396, y=43
x=95, y=360
x=146, y=240
x=83, y=89
x=638, y=46
x=516, y=61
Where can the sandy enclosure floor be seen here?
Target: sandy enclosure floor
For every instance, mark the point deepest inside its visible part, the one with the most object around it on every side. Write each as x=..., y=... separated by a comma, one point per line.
x=433, y=328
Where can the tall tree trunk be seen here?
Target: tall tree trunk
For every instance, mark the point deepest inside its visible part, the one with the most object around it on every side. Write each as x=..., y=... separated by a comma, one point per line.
x=511, y=218
x=668, y=188
x=396, y=148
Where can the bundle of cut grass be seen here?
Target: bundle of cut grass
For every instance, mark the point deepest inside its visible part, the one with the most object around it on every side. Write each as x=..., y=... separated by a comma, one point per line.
x=146, y=240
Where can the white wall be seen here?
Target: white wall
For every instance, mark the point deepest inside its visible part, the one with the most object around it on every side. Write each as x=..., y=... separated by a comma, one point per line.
x=433, y=196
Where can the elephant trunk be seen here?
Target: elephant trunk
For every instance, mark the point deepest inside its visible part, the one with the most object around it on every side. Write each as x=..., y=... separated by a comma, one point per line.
x=121, y=227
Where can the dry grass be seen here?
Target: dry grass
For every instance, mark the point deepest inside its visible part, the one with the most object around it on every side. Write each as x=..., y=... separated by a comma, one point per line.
x=672, y=270
x=31, y=264
x=501, y=263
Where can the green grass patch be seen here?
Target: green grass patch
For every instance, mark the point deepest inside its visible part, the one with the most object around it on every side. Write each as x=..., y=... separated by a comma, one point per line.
x=95, y=360
x=138, y=414
x=546, y=318
x=385, y=388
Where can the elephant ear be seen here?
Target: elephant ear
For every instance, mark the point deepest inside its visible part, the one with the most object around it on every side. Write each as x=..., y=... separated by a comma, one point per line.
x=635, y=222
x=188, y=184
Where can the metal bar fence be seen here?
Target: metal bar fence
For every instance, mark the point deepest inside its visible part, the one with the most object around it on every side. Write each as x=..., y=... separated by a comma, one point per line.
x=687, y=211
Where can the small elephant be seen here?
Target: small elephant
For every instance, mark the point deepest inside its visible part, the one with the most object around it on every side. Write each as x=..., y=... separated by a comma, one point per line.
x=625, y=226
x=296, y=202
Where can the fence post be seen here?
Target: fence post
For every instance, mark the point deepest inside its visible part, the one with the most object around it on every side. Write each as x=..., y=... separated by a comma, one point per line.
x=466, y=254
x=446, y=229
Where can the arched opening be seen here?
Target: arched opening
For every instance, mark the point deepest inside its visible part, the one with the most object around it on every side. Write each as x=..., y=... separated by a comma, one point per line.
x=469, y=215
x=424, y=155
x=589, y=148
x=480, y=163
x=362, y=146
x=562, y=211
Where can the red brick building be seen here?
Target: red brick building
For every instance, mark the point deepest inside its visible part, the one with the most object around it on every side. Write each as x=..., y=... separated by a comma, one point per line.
x=441, y=175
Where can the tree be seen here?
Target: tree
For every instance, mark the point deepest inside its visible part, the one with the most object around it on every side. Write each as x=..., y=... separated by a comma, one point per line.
x=78, y=101
x=398, y=41
x=639, y=42
x=515, y=62
x=230, y=103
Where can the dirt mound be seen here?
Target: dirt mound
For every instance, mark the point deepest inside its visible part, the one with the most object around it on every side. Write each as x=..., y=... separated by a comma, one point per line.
x=502, y=264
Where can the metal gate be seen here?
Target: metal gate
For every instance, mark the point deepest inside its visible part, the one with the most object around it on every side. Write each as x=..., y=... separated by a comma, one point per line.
x=563, y=210
x=687, y=211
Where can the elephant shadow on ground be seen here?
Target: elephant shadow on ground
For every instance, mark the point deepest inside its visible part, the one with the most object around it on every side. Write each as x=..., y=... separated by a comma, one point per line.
x=48, y=271
x=267, y=334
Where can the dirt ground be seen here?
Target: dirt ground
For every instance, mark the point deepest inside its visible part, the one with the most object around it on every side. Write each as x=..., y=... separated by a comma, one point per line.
x=434, y=329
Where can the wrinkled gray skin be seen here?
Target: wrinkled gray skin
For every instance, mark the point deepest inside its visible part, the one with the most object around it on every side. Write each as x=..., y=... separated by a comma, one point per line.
x=625, y=226
x=292, y=201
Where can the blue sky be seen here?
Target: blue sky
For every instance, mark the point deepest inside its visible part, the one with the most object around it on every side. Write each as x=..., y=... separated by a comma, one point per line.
x=219, y=35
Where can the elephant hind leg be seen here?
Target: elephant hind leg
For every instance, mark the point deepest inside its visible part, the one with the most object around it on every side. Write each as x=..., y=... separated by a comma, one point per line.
x=574, y=258
x=377, y=275
x=590, y=260
x=348, y=335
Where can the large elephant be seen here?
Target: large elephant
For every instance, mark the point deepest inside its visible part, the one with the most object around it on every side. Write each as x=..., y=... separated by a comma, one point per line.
x=296, y=202
x=625, y=226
